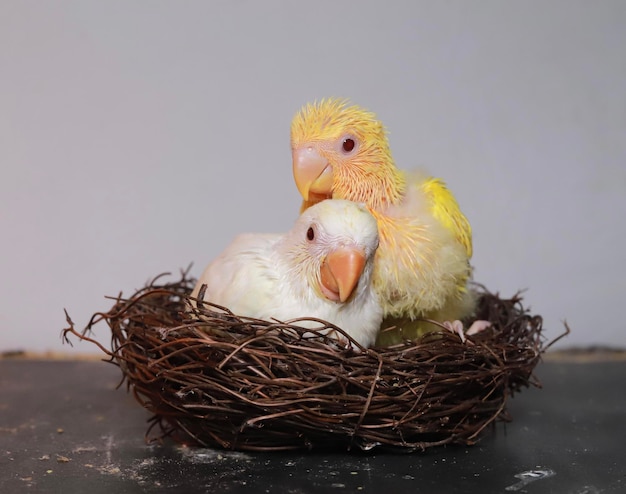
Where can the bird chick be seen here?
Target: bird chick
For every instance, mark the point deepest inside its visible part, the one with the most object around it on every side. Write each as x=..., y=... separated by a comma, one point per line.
x=322, y=268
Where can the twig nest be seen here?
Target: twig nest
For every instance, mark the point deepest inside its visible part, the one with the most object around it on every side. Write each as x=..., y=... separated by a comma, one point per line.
x=219, y=380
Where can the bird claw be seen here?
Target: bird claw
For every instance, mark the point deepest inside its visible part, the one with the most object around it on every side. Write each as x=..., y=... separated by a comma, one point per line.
x=477, y=327
x=457, y=328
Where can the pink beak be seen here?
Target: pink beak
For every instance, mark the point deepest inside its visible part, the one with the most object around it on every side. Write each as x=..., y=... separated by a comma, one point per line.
x=312, y=172
x=340, y=273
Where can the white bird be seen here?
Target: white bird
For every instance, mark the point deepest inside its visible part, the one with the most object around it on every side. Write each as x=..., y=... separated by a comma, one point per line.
x=321, y=268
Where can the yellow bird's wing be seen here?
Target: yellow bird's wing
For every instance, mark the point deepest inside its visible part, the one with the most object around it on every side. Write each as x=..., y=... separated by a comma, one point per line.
x=446, y=210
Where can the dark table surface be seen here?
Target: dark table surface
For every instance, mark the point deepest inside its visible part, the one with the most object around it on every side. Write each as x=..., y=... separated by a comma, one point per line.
x=65, y=428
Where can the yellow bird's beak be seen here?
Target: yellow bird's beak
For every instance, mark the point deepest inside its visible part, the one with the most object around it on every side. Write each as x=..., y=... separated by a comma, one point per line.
x=312, y=173
x=340, y=273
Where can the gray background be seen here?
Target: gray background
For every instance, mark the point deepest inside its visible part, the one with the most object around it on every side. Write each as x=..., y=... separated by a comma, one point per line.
x=137, y=137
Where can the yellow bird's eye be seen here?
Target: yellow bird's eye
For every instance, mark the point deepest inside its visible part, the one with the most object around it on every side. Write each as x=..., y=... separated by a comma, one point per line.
x=348, y=145
x=310, y=234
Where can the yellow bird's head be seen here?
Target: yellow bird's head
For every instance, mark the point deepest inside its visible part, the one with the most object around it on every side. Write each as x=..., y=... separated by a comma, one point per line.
x=341, y=151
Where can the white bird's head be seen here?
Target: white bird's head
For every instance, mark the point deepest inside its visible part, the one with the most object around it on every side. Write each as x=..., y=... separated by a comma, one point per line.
x=332, y=246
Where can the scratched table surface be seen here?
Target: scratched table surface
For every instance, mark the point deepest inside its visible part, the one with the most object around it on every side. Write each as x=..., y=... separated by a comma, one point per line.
x=65, y=428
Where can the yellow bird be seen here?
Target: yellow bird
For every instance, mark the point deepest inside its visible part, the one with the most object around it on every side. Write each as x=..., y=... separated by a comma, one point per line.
x=421, y=268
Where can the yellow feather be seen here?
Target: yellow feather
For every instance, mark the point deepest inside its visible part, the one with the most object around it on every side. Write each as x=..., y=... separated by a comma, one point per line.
x=446, y=209
x=420, y=268
x=329, y=117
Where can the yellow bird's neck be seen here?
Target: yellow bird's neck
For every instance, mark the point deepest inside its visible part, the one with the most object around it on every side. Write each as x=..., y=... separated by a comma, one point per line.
x=378, y=190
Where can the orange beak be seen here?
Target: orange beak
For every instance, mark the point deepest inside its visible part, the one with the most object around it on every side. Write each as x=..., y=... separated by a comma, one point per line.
x=340, y=273
x=312, y=172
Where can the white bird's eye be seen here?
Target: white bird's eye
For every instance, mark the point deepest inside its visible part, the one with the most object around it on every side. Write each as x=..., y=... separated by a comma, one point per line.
x=348, y=144
x=310, y=234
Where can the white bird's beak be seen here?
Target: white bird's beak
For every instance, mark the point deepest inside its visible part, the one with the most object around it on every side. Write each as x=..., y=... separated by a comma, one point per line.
x=340, y=273
x=312, y=173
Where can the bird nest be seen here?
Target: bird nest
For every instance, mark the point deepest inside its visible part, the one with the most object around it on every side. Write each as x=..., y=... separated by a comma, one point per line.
x=219, y=380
